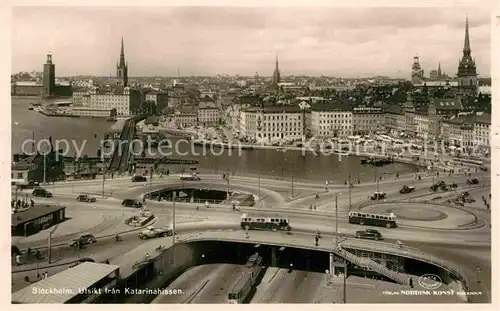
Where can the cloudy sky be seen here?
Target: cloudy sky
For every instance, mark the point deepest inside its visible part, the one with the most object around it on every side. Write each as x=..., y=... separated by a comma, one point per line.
x=347, y=42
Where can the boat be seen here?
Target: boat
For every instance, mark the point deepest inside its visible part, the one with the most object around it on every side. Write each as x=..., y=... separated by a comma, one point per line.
x=31, y=107
x=281, y=149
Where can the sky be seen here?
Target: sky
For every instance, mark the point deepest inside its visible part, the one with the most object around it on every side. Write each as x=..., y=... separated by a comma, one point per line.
x=334, y=41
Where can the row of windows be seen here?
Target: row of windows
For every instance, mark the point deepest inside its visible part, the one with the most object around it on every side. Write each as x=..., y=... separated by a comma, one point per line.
x=335, y=121
x=281, y=117
x=372, y=216
x=263, y=220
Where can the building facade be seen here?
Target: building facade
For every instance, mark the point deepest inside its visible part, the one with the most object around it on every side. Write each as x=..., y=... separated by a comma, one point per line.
x=272, y=123
x=440, y=110
x=333, y=121
x=395, y=121
x=186, y=117
x=208, y=114
x=367, y=120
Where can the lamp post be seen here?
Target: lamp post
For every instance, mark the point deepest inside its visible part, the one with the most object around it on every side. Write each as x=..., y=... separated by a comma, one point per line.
x=173, y=228
x=104, y=171
x=150, y=182
x=350, y=205
x=292, y=181
x=44, y=168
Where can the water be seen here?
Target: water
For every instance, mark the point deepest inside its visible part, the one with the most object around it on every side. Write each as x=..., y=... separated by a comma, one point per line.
x=247, y=162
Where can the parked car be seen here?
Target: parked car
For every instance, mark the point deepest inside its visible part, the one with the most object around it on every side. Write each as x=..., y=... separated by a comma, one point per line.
x=139, y=178
x=406, y=189
x=40, y=192
x=369, y=234
x=378, y=195
x=473, y=181
x=131, y=203
x=82, y=240
x=85, y=198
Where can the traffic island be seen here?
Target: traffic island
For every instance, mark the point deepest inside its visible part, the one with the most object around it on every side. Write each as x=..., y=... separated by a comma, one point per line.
x=425, y=215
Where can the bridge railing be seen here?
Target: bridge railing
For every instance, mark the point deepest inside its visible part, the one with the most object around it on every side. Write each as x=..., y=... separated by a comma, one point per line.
x=409, y=252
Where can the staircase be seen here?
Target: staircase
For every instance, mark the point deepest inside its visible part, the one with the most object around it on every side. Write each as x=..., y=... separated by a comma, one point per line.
x=373, y=265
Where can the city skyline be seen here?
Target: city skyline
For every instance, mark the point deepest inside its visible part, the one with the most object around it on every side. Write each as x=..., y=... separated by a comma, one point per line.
x=206, y=41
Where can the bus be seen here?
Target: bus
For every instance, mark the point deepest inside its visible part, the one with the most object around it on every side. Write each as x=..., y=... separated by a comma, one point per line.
x=242, y=287
x=361, y=218
x=265, y=223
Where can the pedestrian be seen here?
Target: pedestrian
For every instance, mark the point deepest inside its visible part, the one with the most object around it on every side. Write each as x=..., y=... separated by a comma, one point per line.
x=411, y=282
x=314, y=206
x=316, y=239
x=18, y=260
x=45, y=275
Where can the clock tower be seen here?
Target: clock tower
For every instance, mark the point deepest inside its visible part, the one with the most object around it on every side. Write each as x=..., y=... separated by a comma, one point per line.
x=467, y=74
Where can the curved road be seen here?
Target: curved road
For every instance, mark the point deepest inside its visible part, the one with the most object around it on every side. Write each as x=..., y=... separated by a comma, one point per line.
x=447, y=244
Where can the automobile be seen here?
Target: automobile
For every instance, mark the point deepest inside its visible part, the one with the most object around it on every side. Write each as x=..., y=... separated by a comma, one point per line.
x=40, y=192
x=473, y=181
x=369, y=234
x=82, y=240
x=85, y=198
x=139, y=178
x=152, y=232
x=407, y=189
x=131, y=203
x=378, y=195
x=483, y=168
x=192, y=177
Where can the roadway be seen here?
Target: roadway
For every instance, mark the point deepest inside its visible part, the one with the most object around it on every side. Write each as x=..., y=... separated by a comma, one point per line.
x=439, y=242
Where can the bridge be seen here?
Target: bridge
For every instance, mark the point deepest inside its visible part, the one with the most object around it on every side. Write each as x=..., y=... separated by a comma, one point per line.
x=121, y=154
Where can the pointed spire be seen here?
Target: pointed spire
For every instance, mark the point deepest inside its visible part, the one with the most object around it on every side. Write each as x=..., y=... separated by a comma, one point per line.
x=467, y=40
x=122, y=50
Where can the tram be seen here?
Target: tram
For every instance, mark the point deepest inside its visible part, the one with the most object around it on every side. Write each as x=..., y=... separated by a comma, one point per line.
x=265, y=223
x=244, y=285
x=361, y=218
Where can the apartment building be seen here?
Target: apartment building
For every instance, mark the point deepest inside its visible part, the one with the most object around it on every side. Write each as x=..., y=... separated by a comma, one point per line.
x=367, y=120
x=331, y=120
x=272, y=123
x=99, y=103
x=208, y=113
x=395, y=121
x=186, y=117
x=440, y=110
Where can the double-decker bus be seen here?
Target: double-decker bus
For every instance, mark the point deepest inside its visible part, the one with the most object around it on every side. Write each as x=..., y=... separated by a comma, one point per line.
x=242, y=287
x=265, y=223
x=362, y=218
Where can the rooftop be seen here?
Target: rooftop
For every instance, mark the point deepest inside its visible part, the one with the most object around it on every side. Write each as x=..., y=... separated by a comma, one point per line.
x=33, y=213
x=70, y=281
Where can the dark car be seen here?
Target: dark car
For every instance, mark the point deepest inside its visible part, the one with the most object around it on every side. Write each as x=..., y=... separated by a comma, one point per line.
x=407, y=189
x=131, y=203
x=369, y=234
x=82, y=240
x=139, y=178
x=378, y=196
x=40, y=192
x=473, y=181
x=85, y=198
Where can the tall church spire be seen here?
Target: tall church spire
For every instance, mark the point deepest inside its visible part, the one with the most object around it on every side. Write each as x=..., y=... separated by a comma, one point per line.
x=276, y=74
x=467, y=40
x=121, y=67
